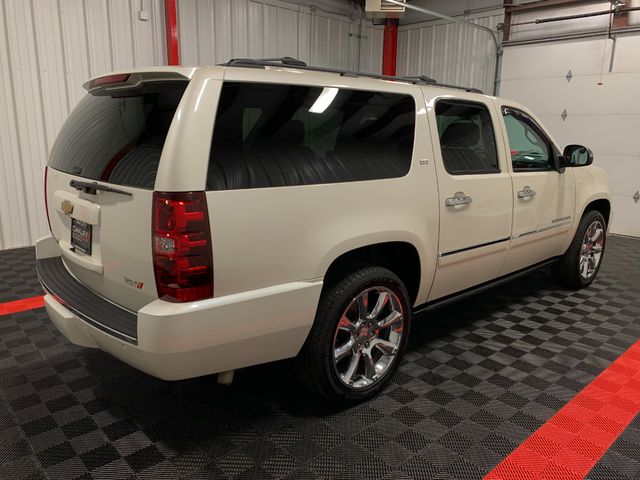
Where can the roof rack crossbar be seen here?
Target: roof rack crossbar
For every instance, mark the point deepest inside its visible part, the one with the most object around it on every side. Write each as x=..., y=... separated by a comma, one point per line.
x=294, y=62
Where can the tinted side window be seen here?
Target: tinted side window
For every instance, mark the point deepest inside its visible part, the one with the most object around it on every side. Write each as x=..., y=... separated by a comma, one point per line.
x=530, y=149
x=467, y=137
x=273, y=135
x=118, y=139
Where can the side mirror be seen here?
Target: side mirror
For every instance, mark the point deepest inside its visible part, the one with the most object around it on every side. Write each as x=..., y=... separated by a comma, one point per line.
x=578, y=155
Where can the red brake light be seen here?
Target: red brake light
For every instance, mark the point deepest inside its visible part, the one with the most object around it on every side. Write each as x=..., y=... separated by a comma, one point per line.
x=46, y=200
x=182, y=259
x=122, y=77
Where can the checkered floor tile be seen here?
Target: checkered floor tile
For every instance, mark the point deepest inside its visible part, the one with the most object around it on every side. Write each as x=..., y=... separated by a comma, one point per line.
x=479, y=378
x=622, y=460
x=18, y=277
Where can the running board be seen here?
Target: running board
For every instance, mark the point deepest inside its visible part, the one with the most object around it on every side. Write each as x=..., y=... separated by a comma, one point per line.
x=469, y=292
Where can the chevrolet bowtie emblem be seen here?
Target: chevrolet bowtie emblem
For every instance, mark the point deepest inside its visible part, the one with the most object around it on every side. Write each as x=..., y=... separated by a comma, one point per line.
x=67, y=207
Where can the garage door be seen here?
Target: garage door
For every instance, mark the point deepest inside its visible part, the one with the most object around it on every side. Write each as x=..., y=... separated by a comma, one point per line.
x=602, y=109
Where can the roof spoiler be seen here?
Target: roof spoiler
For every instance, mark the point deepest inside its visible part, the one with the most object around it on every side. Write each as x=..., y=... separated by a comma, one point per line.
x=127, y=81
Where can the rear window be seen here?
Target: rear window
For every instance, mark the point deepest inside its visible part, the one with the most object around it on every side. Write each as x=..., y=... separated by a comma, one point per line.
x=118, y=139
x=274, y=135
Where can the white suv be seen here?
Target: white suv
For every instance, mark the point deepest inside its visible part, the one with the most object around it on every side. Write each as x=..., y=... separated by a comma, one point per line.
x=207, y=219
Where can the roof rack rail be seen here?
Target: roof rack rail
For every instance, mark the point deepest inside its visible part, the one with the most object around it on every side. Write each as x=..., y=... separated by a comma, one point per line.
x=423, y=78
x=261, y=62
x=294, y=62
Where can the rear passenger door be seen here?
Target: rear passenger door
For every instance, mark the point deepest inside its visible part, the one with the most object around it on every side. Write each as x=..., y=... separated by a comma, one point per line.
x=475, y=193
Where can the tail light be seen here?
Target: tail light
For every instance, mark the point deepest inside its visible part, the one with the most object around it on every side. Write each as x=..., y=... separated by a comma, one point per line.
x=46, y=199
x=182, y=259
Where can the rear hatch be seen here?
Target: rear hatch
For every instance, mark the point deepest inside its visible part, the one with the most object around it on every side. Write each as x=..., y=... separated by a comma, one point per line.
x=100, y=180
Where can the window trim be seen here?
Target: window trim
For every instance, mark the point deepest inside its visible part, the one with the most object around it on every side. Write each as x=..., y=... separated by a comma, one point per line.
x=527, y=119
x=473, y=103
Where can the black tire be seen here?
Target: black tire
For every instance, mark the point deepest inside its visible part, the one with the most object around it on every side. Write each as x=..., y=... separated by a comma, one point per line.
x=567, y=270
x=315, y=362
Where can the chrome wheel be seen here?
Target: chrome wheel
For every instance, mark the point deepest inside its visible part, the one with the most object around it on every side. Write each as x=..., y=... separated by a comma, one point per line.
x=591, y=250
x=367, y=338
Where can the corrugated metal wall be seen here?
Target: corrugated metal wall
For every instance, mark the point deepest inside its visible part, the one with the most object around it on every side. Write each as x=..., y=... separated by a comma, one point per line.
x=450, y=52
x=48, y=48
x=369, y=49
x=212, y=32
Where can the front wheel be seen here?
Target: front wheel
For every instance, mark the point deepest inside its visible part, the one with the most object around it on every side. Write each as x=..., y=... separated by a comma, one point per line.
x=579, y=266
x=358, y=337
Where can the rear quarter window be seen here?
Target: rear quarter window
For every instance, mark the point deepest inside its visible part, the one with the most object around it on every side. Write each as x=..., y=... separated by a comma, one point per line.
x=274, y=135
x=467, y=137
x=118, y=139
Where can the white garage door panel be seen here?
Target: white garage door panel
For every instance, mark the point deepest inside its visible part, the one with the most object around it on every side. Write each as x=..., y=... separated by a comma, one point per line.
x=554, y=59
x=605, y=117
x=582, y=95
x=604, y=134
x=626, y=216
x=618, y=168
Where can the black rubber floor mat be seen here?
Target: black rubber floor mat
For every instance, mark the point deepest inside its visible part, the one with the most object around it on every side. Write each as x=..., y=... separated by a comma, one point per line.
x=479, y=378
x=18, y=277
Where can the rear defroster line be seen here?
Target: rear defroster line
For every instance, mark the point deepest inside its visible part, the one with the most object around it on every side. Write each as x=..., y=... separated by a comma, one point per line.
x=21, y=305
x=575, y=438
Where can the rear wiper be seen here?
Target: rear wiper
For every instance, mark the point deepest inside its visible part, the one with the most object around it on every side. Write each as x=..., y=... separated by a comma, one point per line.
x=92, y=187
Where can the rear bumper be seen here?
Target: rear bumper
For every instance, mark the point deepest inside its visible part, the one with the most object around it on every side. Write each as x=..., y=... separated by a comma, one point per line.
x=85, y=304
x=182, y=340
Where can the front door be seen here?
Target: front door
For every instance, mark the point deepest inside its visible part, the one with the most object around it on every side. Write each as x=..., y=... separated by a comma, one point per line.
x=475, y=194
x=544, y=198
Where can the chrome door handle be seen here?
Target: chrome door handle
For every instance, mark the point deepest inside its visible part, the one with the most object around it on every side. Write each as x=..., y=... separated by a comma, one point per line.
x=459, y=198
x=527, y=192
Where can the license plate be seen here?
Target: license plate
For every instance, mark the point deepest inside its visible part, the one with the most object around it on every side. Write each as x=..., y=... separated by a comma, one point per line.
x=81, y=236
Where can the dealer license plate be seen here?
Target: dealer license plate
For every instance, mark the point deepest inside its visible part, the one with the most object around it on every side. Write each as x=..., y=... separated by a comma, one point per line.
x=81, y=236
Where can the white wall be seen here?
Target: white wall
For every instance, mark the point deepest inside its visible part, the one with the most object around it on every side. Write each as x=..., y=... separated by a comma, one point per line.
x=214, y=31
x=603, y=107
x=450, y=52
x=48, y=48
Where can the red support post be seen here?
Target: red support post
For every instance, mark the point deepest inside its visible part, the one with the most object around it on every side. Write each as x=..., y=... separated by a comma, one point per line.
x=171, y=27
x=390, y=47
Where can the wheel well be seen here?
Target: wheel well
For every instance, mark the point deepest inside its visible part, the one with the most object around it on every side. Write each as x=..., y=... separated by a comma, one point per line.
x=400, y=257
x=603, y=206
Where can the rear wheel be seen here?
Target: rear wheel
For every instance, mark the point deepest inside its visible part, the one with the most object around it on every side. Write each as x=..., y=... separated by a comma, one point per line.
x=358, y=337
x=579, y=266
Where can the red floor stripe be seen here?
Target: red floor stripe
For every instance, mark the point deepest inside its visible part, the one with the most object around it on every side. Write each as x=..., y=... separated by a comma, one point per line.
x=21, y=305
x=573, y=440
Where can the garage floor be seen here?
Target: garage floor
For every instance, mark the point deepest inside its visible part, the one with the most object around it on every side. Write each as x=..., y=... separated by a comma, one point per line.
x=479, y=378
